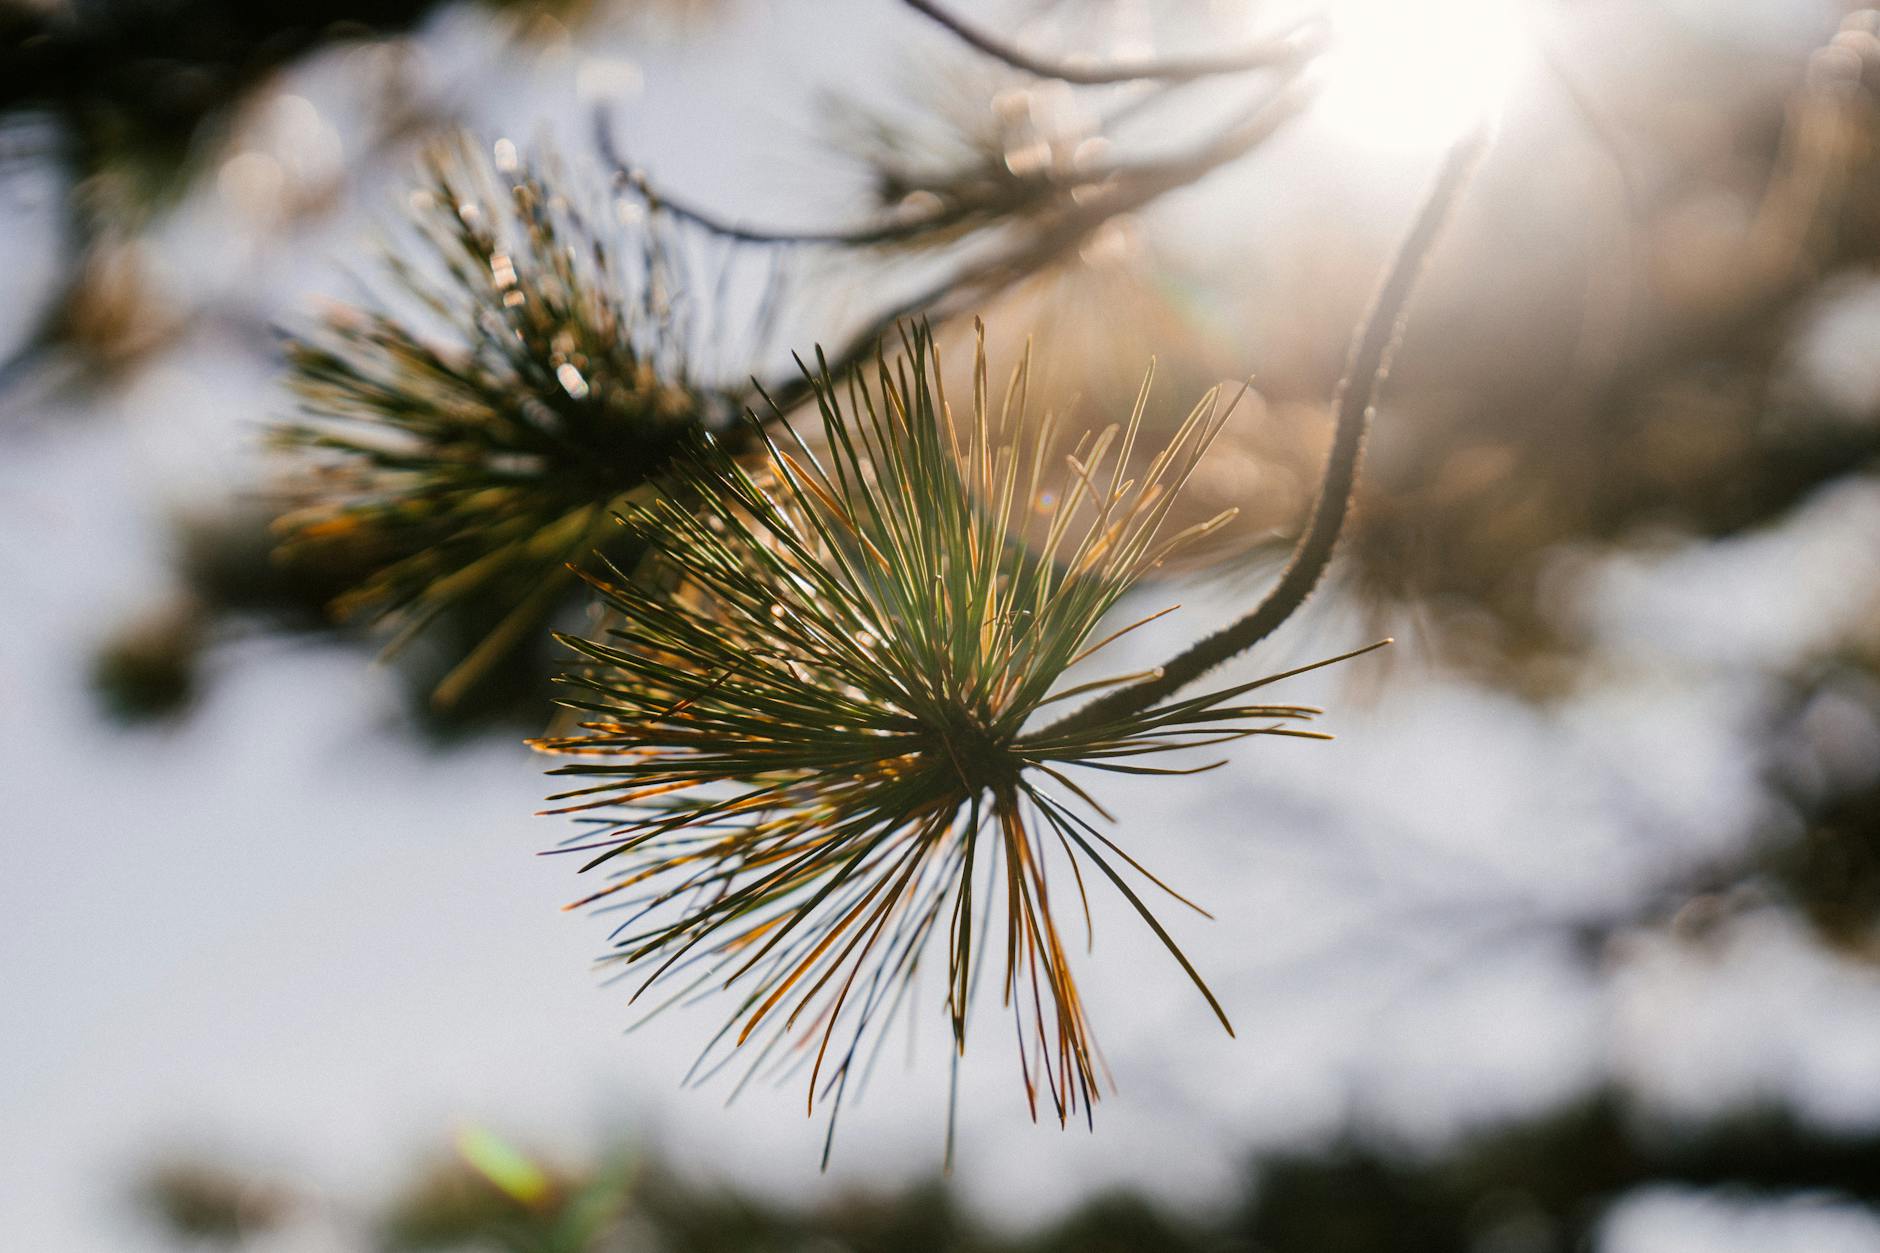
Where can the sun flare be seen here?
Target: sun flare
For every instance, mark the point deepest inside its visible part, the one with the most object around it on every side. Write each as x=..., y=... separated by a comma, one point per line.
x=1411, y=75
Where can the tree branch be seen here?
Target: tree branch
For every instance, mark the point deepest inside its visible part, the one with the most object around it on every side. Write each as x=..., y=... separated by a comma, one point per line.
x=1168, y=171
x=1296, y=44
x=1147, y=182
x=853, y=237
x=1365, y=371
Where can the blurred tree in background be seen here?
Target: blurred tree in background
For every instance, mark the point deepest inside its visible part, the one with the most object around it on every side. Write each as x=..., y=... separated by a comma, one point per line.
x=1574, y=397
x=1542, y=1186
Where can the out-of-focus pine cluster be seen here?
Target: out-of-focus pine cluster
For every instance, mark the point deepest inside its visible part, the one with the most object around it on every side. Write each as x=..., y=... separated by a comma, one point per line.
x=471, y=437
x=981, y=151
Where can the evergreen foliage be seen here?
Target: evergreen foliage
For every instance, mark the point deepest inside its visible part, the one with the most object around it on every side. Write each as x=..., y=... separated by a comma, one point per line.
x=470, y=456
x=812, y=727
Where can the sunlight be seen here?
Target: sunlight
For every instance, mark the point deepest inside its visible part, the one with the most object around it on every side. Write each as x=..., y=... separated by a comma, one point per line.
x=1413, y=75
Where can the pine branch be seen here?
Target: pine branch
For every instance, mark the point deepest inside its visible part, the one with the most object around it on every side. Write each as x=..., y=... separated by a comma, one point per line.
x=955, y=294
x=799, y=756
x=1368, y=365
x=662, y=200
x=1161, y=173
x=1294, y=46
x=466, y=467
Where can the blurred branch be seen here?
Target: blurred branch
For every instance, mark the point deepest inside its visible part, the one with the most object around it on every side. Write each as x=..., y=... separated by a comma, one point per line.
x=1162, y=174
x=626, y=173
x=1547, y=1180
x=1103, y=192
x=955, y=293
x=1369, y=364
x=1111, y=191
x=1299, y=42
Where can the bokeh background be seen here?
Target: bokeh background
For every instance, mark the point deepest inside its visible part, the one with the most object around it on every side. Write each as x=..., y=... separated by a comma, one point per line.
x=1568, y=941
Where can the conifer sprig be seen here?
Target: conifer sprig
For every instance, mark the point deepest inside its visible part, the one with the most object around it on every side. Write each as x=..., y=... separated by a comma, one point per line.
x=804, y=760
x=470, y=439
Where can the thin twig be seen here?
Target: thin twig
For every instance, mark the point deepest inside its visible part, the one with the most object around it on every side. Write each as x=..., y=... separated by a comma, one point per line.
x=1289, y=51
x=1229, y=143
x=1296, y=44
x=1369, y=363
x=1122, y=188
x=658, y=198
x=1150, y=180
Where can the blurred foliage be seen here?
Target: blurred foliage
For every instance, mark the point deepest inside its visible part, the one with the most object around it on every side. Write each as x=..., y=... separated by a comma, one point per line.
x=148, y=668
x=1542, y=1184
x=140, y=87
x=204, y=1201
x=239, y=582
x=971, y=151
x=1669, y=409
x=1661, y=405
x=1822, y=855
x=1830, y=868
x=135, y=99
x=471, y=445
x=492, y=1194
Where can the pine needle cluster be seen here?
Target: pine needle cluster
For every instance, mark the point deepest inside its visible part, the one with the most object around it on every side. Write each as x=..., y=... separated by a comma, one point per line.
x=471, y=437
x=808, y=756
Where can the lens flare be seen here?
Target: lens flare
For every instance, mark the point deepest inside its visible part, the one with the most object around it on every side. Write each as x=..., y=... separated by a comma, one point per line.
x=1402, y=75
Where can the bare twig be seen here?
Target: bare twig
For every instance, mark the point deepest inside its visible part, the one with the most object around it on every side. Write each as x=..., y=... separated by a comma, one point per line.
x=1165, y=171
x=1288, y=52
x=1112, y=190
x=627, y=174
x=1299, y=42
x=1369, y=363
x=1146, y=182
